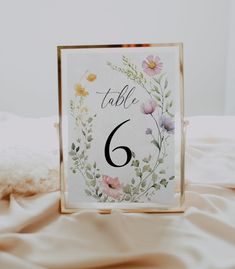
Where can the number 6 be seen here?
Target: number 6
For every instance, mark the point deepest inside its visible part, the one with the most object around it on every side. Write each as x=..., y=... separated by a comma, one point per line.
x=107, y=146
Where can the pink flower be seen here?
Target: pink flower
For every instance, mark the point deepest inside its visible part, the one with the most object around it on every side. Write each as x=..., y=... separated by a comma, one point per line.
x=152, y=65
x=111, y=186
x=148, y=107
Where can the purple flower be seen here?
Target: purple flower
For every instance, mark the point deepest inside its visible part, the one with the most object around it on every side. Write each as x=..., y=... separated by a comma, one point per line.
x=152, y=65
x=148, y=131
x=167, y=124
x=148, y=107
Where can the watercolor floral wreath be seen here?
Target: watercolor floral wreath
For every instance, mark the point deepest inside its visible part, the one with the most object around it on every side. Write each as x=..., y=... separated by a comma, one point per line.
x=150, y=177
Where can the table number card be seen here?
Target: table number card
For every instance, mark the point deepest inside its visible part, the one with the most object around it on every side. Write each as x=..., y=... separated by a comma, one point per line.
x=121, y=131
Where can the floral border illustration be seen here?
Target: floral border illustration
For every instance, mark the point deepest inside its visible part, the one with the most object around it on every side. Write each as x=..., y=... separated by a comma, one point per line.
x=149, y=177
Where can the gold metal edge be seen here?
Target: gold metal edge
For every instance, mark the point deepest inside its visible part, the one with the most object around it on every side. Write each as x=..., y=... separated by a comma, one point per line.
x=123, y=210
x=61, y=164
x=182, y=153
x=179, y=209
x=175, y=44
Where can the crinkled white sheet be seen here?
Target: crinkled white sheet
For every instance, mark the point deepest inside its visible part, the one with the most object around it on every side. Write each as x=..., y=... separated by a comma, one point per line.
x=34, y=235
x=28, y=155
x=210, y=151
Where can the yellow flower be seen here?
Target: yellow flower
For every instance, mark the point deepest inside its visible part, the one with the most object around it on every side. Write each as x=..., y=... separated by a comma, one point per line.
x=91, y=77
x=80, y=91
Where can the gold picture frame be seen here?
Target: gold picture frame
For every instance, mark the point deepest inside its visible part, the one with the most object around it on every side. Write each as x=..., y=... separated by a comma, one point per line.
x=63, y=129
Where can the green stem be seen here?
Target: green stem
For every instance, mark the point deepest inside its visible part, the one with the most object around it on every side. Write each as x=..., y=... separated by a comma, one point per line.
x=160, y=135
x=141, y=194
x=162, y=95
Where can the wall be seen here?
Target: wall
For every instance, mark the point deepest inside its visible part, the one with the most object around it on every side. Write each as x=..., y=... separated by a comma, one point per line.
x=30, y=30
x=230, y=89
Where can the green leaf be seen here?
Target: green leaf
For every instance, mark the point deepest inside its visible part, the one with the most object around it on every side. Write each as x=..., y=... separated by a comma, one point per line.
x=94, y=165
x=83, y=133
x=82, y=155
x=138, y=174
x=154, y=176
x=88, y=192
x=133, y=181
x=73, y=146
x=156, y=90
x=172, y=178
x=143, y=184
x=156, y=186
x=161, y=161
x=171, y=103
x=133, y=154
x=72, y=153
x=160, y=77
x=77, y=149
x=93, y=183
x=127, y=189
x=97, y=175
x=89, y=138
x=89, y=120
x=135, y=190
x=128, y=197
x=162, y=171
x=88, y=166
x=135, y=163
x=170, y=114
x=146, y=168
x=166, y=84
x=164, y=182
x=145, y=160
x=158, y=98
x=89, y=175
x=156, y=143
x=168, y=94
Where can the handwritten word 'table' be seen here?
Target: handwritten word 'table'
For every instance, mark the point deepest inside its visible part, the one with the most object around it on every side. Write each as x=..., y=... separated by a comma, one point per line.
x=123, y=98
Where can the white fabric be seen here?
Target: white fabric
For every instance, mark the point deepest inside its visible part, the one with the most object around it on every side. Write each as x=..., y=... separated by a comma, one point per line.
x=210, y=150
x=34, y=235
x=28, y=155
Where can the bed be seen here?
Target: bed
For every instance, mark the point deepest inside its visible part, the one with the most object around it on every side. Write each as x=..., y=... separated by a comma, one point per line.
x=34, y=235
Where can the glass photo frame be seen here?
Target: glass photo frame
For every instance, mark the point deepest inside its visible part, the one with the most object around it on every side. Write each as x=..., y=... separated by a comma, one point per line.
x=121, y=127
